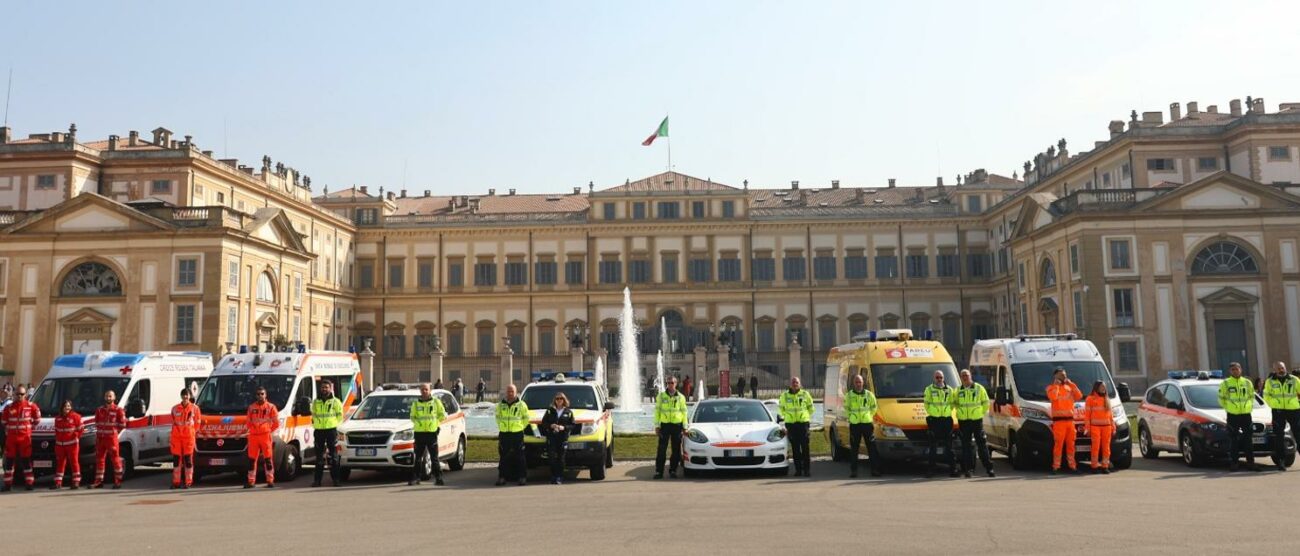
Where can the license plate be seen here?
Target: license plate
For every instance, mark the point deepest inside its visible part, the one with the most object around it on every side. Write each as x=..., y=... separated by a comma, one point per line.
x=218, y=461
x=577, y=445
x=367, y=452
x=42, y=464
x=737, y=453
x=1261, y=441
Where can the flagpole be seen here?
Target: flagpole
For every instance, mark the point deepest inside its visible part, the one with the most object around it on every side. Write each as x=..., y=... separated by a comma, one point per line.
x=670, y=152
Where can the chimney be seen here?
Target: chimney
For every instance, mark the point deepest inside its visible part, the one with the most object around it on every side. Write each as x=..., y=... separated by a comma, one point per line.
x=1175, y=112
x=938, y=181
x=920, y=194
x=794, y=184
x=56, y=137
x=246, y=169
x=1212, y=109
x=207, y=154
x=426, y=192
x=1155, y=118
x=1257, y=107
x=391, y=195
x=1116, y=127
x=835, y=184
x=891, y=183
x=364, y=189
x=492, y=191
x=1234, y=107
x=512, y=191
x=451, y=204
x=230, y=161
x=4, y=135
x=473, y=206
x=162, y=136
x=1193, y=108
x=133, y=138
x=189, y=141
x=112, y=142
x=859, y=195
x=577, y=191
x=403, y=193
x=1285, y=106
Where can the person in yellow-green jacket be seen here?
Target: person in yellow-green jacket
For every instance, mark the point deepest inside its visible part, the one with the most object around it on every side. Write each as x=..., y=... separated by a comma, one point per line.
x=326, y=414
x=1237, y=396
x=939, y=401
x=427, y=415
x=796, y=409
x=512, y=420
x=670, y=421
x=860, y=408
x=972, y=406
x=1282, y=394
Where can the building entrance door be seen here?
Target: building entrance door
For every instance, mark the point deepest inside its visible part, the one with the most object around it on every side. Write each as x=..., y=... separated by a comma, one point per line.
x=1230, y=343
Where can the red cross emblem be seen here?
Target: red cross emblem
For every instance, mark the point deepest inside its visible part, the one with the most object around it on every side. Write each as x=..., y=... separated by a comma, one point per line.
x=126, y=370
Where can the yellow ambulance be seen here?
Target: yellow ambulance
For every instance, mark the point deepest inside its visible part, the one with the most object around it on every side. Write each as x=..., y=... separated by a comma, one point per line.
x=897, y=368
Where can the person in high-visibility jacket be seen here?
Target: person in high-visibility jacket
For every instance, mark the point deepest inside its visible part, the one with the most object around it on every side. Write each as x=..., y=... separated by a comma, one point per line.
x=670, y=422
x=185, y=425
x=512, y=421
x=796, y=408
x=972, y=406
x=939, y=401
x=1237, y=396
x=263, y=421
x=860, y=408
x=1062, y=393
x=1100, y=426
x=67, y=445
x=427, y=415
x=110, y=421
x=326, y=414
x=1282, y=394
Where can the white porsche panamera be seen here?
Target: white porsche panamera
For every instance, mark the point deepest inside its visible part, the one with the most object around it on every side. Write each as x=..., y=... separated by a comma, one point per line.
x=734, y=433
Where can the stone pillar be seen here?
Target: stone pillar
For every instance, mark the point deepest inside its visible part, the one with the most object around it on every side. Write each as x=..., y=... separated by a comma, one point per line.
x=796, y=361
x=435, y=362
x=367, y=361
x=701, y=366
x=724, y=363
x=575, y=358
x=508, y=366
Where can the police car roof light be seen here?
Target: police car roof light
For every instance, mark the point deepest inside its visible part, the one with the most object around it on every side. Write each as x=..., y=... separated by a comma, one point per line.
x=302, y=348
x=243, y=349
x=352, y=348
x=872, y=335
x=929, y=334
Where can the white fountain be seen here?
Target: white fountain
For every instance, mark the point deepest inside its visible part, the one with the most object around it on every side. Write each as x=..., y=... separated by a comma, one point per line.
x=629, y=365
x=660, y=385
x=600, y=373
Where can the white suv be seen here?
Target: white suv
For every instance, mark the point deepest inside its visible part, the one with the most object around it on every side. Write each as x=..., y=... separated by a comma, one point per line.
x=379, y=434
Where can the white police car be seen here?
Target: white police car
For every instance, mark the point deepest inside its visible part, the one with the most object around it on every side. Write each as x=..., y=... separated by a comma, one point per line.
x=379, y=434
x=1182, y=414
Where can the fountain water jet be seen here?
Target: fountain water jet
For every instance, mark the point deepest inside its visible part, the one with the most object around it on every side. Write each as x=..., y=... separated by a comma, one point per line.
x=629, y=366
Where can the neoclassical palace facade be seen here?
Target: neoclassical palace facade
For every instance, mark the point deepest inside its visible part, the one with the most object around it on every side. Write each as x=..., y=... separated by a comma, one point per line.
x=1170, y=244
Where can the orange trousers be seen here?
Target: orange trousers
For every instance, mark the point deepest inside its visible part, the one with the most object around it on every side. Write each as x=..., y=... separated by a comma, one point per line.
x=1063, y=438
x=1101, y=445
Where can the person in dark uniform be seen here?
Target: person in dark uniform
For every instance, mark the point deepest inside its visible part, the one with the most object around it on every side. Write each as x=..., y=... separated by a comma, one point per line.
x=557, y=425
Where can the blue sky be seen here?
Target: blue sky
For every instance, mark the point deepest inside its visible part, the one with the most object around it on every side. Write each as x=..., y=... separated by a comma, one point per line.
x=544, y=96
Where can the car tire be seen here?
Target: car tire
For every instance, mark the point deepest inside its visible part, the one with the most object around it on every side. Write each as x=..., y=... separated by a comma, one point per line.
x=1123, y=462
x=1288, y=460
x=128, y=461
x=1019, y=458
x=196, y=475
x=689, y=473
x=457, y=462
x=345, y=473
x=1145, y=445
x=838, y=453
x=290, y=466
x=1191, y=455
x=426, y=467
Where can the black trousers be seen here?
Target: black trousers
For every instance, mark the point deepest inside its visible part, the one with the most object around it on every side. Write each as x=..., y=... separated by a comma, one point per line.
x=1239, y=438
x=939, y=431
x=972, y=441
x=865, y=433
x=326, y=443
x=798, y=435
x=670, y=434
x=510, y=451
x=1280, y=419
x=426, y=446
x=556, y=447
x=478, y=397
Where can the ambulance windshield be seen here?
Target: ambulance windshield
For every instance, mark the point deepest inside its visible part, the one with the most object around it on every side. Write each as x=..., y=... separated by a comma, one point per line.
x=231, y=395
x=86, y=393
x=1032, y=379
x=908, y=380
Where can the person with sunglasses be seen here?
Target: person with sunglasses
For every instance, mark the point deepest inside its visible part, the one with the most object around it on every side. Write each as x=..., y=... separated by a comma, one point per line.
x=557, y=425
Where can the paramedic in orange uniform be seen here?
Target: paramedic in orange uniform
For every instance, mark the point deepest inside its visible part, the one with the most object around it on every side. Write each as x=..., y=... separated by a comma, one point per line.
x=1063, y=393
x=1101, y=426
x=185, y=424
x=263, y=419
x=67, y=445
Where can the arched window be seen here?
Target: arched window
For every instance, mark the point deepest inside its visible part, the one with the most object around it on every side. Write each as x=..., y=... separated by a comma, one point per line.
x=1224, y=257
x=1047, y=274
x=265, y=289
x=91, y=279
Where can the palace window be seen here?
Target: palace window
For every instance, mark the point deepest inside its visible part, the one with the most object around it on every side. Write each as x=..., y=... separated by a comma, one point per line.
x=91, y=279
x=1224, y=257
x=265, y=289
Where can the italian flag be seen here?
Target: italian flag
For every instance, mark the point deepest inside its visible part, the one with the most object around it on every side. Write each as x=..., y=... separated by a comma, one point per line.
x=661, y=132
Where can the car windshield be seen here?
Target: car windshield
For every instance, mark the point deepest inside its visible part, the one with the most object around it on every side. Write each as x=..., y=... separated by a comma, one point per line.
x=731, y=412
x=231, y=395
x=1205, y=396
x=908, y=380
x=86, y=393
x=580, y=397
x=1032, y=379
x=385, y=407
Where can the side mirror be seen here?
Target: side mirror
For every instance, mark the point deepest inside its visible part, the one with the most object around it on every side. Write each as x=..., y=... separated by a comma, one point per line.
x=1003, y=396
x=135, y=408
x=302, y=408
x=780, y=419
x=1174, y=405
x=1125, y=395
x=609, y=406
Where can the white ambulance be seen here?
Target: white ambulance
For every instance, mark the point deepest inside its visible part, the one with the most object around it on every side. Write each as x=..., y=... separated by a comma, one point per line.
x=1017, y=372
x=292, y=380
x=147, y=385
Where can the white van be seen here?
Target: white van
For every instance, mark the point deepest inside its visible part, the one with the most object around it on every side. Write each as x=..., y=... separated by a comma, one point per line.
x=292, y=381
x=147, y=385
x=1017, y=372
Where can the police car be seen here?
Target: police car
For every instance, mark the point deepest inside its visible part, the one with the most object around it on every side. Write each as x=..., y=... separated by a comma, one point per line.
x=592, y=446
x=379, y=435
x=1182, y=414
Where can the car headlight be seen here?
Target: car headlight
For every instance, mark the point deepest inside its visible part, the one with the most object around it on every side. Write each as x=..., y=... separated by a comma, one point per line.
x=589, y=428
x=775, y=435
x=88, y=431
x=891, y=432
x=1209, y=426
x=404, y=436
x=1034, y=413
x=1117, y=412
x=696, y=436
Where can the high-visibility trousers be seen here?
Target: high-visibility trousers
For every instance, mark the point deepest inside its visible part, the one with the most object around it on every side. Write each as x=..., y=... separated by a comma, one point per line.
x=1063, y=436
x=1101, y=445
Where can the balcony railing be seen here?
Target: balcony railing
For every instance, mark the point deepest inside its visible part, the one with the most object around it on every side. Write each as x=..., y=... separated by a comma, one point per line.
x=1104, y=199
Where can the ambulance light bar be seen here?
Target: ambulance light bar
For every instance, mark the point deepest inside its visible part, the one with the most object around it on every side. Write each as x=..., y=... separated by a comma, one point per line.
x=1198, y=375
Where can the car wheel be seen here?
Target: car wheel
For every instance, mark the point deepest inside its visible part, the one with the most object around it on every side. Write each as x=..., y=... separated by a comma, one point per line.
x=128, y=462
x=1148, y=449
x=291, y=466
x=838, y=453
x=1123, y=462
x=344, y=473
x=1191, y=456
x=426, y=467
x=1019, y=458
x=597, y=469
x=197, y=475
x=457, y=462
x=1288, y=460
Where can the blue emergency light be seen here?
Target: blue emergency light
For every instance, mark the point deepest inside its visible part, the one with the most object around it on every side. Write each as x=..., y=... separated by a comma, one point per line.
x=302, y=348
x=243, y=348
x=872, y=335
x=352, y=348
x=1199, y=375
x=929, y=334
